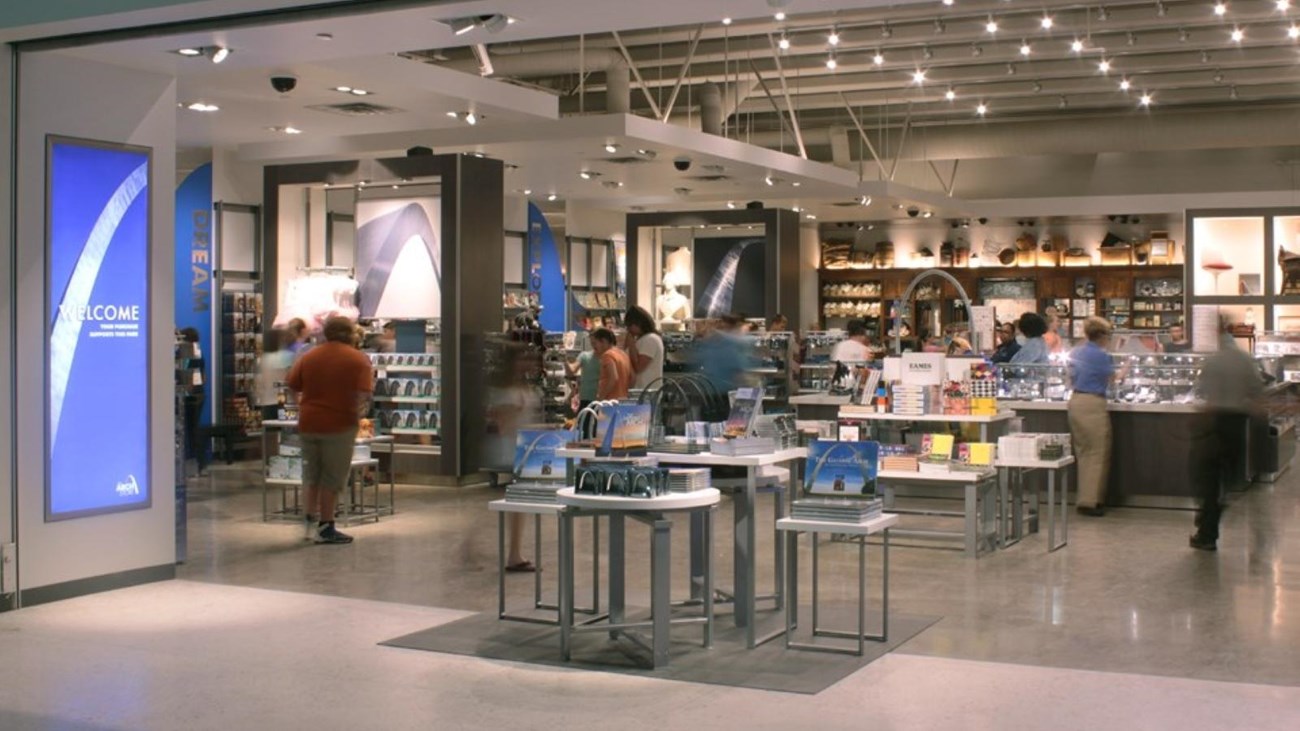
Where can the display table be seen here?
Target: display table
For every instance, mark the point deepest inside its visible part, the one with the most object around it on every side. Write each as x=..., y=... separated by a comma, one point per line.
x=793, y=527
x=979, y=489
x=868, y=413
x=654, y=512
x=1011, y=490
x=355, y=509
x=744, y=557
x=537, y=510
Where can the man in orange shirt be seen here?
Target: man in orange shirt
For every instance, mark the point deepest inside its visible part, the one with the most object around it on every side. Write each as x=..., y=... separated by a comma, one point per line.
x=615, y=367
x=333, y=382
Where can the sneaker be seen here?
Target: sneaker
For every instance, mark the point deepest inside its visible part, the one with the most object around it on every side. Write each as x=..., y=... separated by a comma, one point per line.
x=308, y=528
x=329, y=534
x=1202, y=544
x=1095, y=511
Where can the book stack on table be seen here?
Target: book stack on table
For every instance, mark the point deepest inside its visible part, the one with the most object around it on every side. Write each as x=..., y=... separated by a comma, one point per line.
x=837, y=510
x=741, y=446
x=689, y=480
x=533, y=492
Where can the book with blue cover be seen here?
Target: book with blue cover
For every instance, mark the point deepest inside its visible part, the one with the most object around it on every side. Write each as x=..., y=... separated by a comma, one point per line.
x=745, y=408
x=535, y=453
x=623, y=430
x=842, y=469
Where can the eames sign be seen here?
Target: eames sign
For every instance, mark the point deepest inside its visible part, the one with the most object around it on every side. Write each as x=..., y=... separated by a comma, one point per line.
x=97, y=425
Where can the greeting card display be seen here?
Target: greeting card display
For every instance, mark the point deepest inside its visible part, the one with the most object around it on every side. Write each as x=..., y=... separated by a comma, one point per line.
x=842, y=469
x=623, y=429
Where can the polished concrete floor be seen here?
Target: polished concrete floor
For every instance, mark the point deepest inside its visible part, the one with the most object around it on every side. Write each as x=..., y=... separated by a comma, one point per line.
x=1126, y=595
x=1126, y=628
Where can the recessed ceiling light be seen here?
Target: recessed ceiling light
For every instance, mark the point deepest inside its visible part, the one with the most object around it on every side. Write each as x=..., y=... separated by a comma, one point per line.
x=726, y=21
x=202, y=107
x=927, y=214
x=220, y=53
x=453, y=115
x=611, y=148
x=528, y=191
x=797, y=209
x=918, y=76
x=471, y=119
x=864, y=200
x=769, y=180
x=1238, y=35
x=1076, y=45
x=950, y=95
x=878, y=59
x=612, y=184
x=1125, y=85
x=396, y=186
x=1047, y=22
x=1025, y=49
x=991, y=26
x=1220, y=8
x=1145, y=100
x=551, y=197
x=796, y=184
x=190, y=52
x=292, y=131
x=1103, y=66
x=981, y=109
x=779, y=15
x=810, y=217
x=348, y=89
x=643, y=152
x=587, y=175
x=731, y=204
x=360, y=92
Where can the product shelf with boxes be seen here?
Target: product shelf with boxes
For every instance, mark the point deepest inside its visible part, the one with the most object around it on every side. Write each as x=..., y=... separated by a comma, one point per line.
x=240, y=350
x=773, y=357
x=1157, y=303
x=408, y=394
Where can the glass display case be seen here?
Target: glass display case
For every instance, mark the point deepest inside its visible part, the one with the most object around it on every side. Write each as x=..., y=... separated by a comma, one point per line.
x=1145, y=379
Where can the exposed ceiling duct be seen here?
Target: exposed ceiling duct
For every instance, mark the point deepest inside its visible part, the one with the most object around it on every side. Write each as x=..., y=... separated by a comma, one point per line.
x=618, y=85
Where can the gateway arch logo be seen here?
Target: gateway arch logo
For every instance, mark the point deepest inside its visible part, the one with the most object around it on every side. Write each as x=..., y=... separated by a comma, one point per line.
x=399, y=258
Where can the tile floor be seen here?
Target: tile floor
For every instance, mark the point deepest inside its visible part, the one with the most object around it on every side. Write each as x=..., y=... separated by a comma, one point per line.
x=1125, y=628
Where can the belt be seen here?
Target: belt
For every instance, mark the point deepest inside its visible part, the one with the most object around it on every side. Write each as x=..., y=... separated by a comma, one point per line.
x=1089, y=393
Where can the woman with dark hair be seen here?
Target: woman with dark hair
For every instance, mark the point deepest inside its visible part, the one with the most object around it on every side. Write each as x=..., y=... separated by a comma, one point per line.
x=1034, y=349
x=644, y=347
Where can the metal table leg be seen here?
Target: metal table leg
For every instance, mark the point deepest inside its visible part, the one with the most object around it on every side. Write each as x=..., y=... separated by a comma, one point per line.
x=791, y=539
x=971, y=519
x=566, y=585
x=660, y=587
x=501, y=564
x=707, y=588
x=537, y=552
x=697, y=554
x=744, y=559
x=1053, y=507
x=617, y=589
x=778, y=546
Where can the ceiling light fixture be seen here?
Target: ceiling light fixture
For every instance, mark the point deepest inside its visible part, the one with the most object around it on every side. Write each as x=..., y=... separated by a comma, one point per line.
x=1183, y=35
x=1220, y=9
x=1293, y=32
x=1063, y=103
x=202, y=107
x=220, y=53
x=831, y=63
x=611, y=148
x=191, y=52
x=834, y=37
x=1146, y=99
x=949, y=3
x=918, y=76
x=1161, y=10
x=981, y=109
x=927, y=214
x=347, y=89
x=991, y=26
x=1103, y=14
x=1103, y=66
x=939, y=27
x=864, y=200
x=796, y=184
x=1238, y=35
x=927, y=53
x=648, y=154
x=1232, y=92
x=1125, y=85
x=784, y=43
x=453, y=115
x=976, y=50
x=1132, y=38
x=292, y=131
x=779, y=15
x=878, y=59
x=950, y=95
x=731, y=204
x=396, y=186
x=769, y=180
x=1076, y=46
x=528, y=191
x=886, y=31
x=471, y=119
x=726, y=21
x=1025, y=49
x=1011, y=69
x=1283, y=5
x=551, y=197
x=461, y=26
x=586, y=175
x=1037, y=86
x=1046, y=23
x=360, y=92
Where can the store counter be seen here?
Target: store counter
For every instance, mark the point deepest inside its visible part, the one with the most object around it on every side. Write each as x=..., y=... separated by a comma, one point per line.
x=1150, y=459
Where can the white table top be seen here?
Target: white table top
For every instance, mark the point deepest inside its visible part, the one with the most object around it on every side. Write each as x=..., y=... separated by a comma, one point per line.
x=513, y=506
x=1040, y=464
x=881, y=522
x=706, y=459
x=819, y=399
x=1114, y=406
x=851, y=412
x=955, y=476
x=673, y=501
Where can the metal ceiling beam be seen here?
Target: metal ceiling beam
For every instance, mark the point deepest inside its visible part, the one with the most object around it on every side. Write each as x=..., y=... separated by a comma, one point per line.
x=637, y=74
x=863, y=134
x=785, y=123
x=686, y=67
x=785, y=92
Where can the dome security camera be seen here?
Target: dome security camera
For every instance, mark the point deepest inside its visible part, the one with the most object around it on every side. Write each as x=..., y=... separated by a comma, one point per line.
x=682, y=163
x=284, y=84
x=913, y=212
x=982, y=220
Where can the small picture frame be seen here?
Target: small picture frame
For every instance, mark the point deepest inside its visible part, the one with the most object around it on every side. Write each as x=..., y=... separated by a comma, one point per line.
x=1250, y=285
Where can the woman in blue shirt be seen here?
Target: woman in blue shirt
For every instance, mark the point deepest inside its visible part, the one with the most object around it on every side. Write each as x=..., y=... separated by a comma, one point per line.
x=1034, y=350
x=1091, y=371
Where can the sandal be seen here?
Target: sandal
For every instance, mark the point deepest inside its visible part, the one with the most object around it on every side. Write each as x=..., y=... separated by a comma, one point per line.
x=521, y=567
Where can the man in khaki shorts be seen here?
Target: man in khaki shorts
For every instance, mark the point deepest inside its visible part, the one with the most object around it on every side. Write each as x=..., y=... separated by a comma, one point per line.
x=333, y=382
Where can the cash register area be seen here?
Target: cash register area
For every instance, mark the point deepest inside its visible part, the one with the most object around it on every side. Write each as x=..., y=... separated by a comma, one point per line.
x=1128, y=628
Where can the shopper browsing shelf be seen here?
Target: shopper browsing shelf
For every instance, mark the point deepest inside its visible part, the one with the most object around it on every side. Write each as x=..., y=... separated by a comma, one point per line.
x=1230, y=388
x=587, y=370
x=615, y=367
x=1007, y=345
x=1091, y=371
x=333, y=382
x=298, y=336
x=1035, y=348
x=644, y=347
x=853, y=349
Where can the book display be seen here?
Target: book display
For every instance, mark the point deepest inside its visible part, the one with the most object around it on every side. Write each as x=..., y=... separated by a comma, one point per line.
x=408, y=394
